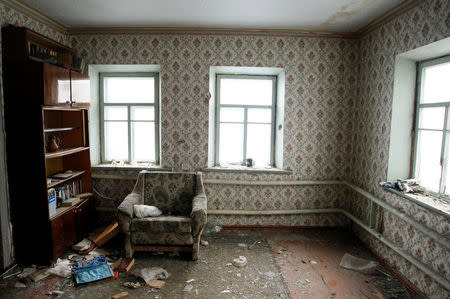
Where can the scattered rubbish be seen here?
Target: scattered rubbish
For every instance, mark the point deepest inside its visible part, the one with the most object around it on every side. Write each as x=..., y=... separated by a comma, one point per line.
x=7, y=271
x=204, y=243
x=61, y=268
x=313, y=262
x=188, y=288
x=81, y=258
x=280, y=250
x=115, y=276
x=156, y=284
x=107, y=234
x=82, y=245
x=153, y=273
x=242, y=245
x=253, y=244
x=20, y=285
x=209, y=231
x=240, y=262
x=40, y=274
x=123, y=264
x=12, y=274
x=307, y=281
x=225, y=291
x=304, y=262
x=142, y=211
x=239, y=275
x=190, y=280
x=358, y=264
x=132, y=285
x=405, y=186
x=55, y=293
x=174, y=253
x=120, y=295
x=229, y=264
x=95, y=270
x=323, y=279
x=97, y=252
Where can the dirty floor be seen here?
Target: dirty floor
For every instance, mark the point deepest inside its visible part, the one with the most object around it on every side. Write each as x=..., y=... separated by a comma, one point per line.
x=281, y=264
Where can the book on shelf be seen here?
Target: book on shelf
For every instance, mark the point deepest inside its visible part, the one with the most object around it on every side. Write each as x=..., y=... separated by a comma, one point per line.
x=71, y=201
x=62, y=175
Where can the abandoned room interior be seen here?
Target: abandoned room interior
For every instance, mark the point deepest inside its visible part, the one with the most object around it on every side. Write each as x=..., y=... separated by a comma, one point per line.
x=225, y=149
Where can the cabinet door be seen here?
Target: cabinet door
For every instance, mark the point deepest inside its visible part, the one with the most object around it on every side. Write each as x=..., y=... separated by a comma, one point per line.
x=80, y=89
x=63, y=233
x=56, y=85
x=85, y=217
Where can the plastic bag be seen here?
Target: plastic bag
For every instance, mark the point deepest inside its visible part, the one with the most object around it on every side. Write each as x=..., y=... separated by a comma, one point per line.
x=142, y=211
x=358, y=264
x=153, y=273
x=62, y=268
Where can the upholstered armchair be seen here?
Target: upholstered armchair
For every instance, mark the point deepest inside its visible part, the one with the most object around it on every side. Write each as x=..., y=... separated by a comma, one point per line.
x=182, y=199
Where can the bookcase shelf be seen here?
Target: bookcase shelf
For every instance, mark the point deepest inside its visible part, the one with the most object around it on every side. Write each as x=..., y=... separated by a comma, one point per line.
x=75, y=175
x=52, y=130
x=65, y=152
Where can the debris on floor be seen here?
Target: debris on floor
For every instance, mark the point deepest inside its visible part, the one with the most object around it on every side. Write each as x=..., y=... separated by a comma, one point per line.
x=204, y=243
x=242, y=245
x=156, y=284
x=106, y=234
x=26, y=272
x=62, y=268
x=123, y=264
x=19, y=284
x=55, y=293
x=95, y=270
x=132, y=285
x=209, y=231
x=253, y=244
x=153, y=273
x=40, y=274
x=351, y=262
x=120, y=295
x=9, y=270
x=240, y=262
x=83, y=245
x=188, y=288
x=190, y=280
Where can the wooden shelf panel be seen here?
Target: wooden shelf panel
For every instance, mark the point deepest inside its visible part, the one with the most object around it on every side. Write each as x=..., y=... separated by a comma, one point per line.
x=60, y=129
x=75, y=175
x=65, y=152
x=62, y=210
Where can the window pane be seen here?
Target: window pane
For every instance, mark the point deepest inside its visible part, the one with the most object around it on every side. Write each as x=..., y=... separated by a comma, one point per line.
x=246, y=91
x=428, y=168
x=129, y=90
x=116, y=140
x=447, y=167
x=259, y=115
x=143, y=141
x=232, y=114
x=116, y=113
x=231, y=143
x=258, y=143
x=436, y=87
x=142, y=113
x=431, y=118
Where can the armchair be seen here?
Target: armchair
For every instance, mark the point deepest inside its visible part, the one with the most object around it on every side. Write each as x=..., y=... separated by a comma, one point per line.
x=182, y=199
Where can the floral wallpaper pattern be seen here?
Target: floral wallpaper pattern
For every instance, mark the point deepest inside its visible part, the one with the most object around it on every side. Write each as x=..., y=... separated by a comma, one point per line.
x=337, y=121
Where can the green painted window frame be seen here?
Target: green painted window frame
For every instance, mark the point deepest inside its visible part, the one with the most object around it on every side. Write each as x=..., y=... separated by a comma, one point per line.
x=445, y=141
x=245, y=122
x=155, y=104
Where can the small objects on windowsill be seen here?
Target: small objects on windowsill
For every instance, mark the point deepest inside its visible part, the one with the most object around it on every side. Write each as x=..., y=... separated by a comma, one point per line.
x=405, y=186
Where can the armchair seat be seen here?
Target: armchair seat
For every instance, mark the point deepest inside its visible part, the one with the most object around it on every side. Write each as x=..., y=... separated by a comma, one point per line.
x=162, y=224
x=181, y=198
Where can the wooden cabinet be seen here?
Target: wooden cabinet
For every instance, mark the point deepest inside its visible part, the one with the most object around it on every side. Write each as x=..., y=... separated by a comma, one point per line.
x=35, y=94
x=80, y=89
x=56, y=85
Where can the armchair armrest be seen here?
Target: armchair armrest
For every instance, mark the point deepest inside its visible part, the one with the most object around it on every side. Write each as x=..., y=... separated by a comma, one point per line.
x=199, y=214
x=126, y=207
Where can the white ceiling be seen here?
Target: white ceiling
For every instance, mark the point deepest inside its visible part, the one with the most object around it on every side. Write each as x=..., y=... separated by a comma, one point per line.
x=326, y=15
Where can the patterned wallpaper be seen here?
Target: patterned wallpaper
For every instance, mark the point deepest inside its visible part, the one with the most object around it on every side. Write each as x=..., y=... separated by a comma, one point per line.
x=420, y=26
x=337, y=121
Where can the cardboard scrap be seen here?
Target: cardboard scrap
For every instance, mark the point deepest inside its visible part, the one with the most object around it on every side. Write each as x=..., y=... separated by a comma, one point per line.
x=157, y=284
x=120, y=295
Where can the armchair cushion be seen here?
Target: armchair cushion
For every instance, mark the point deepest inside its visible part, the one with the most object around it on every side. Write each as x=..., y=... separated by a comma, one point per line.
x=162, y=224
x=172, y=193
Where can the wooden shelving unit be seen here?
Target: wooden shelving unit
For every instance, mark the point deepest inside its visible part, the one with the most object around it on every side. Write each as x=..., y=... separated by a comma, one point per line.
x=36, y=111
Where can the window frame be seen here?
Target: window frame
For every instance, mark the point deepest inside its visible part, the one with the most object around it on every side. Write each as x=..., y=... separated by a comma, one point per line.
x=155, y=105
x=245, y=123
x=445, y=141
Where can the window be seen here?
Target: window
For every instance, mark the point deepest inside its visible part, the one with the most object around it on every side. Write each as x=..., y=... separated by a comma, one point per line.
x=129, y=116
x=245, y=119
x=432, y=138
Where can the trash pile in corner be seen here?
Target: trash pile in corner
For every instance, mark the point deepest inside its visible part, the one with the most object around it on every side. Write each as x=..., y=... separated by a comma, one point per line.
x=405, y=186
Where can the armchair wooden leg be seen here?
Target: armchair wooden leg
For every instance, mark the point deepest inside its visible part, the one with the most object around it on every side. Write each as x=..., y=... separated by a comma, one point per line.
x=129, y=250
x=195, y=250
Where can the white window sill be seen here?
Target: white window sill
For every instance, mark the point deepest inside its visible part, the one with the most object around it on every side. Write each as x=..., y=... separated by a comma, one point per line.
x=140, y=166
x=427, y=201
x=245, y=169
